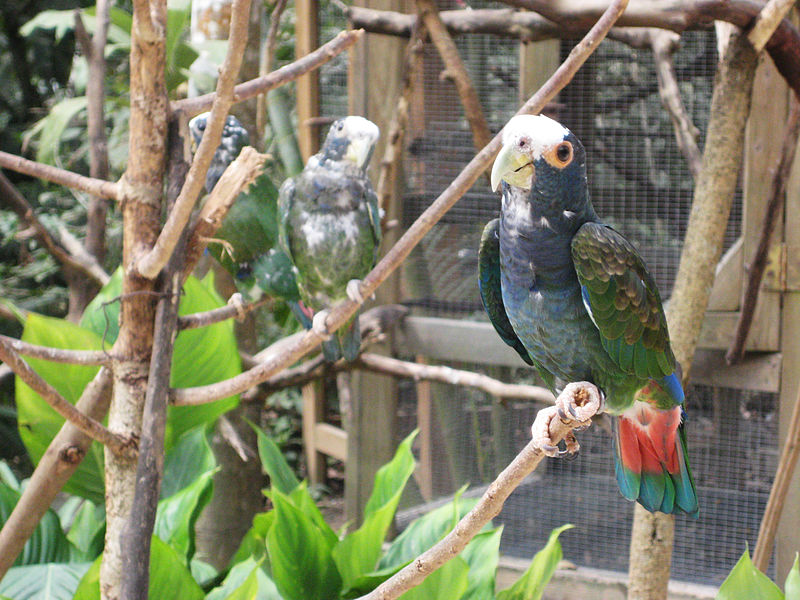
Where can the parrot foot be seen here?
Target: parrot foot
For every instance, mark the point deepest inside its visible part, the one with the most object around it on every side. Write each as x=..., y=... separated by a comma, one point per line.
x=237, y=302
x=353, y=291
x=319, y=326
x=540, y=433
x=575, y=406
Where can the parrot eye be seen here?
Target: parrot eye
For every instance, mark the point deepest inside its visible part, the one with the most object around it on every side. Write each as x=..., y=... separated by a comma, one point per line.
x=564, y=152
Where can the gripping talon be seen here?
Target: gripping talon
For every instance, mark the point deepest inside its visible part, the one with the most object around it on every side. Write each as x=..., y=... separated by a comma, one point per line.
x=353, y=291
x=319, y=326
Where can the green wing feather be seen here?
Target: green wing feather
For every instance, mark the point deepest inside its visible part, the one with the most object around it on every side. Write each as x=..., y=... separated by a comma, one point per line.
x=285, y=199
x=374, y=219
x=623, y=301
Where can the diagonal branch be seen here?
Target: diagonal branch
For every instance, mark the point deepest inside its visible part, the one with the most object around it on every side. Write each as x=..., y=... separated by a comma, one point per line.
x=767, y=22
x=151, y=263
x=340, y=313
x=72, y=357
x=86, y=424
x=210, y=317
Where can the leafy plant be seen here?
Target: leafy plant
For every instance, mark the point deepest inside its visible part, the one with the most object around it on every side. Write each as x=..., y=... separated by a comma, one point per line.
x=746, y=582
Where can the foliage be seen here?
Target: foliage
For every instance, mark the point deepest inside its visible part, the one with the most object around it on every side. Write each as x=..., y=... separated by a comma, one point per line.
x=746, y=582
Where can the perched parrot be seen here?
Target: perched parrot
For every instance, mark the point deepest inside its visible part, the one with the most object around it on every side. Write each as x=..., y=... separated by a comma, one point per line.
x=234, y=138
x=329, y=226
x=573, y=297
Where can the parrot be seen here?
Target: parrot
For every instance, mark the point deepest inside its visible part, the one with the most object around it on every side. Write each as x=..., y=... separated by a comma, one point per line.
x=574, y=298
x=234, y=138
x=329, y=226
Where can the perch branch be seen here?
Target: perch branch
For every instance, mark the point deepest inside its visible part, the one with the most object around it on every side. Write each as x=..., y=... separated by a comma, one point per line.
x=398, y=253
x=72, y=357
x=210, y=317
x=491, y=502
x=777, y=495
x=80, y=262
x=97, y=187
x=151, y=263
x=86, y=424
x=773, y=213
x=767, y=22
x=455, y=70
x=287, y=73
x=59, y=462
x=236, y=178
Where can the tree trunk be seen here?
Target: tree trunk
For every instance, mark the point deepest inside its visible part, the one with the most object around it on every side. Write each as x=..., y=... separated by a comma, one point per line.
x=651, y=538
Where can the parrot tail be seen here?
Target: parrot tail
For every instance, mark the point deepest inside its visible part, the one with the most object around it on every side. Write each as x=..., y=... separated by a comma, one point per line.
x=651, y=461
x=346, y=342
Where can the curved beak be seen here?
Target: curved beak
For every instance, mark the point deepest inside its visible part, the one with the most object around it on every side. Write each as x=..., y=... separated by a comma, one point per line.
x=359, y=150
x=513, y=167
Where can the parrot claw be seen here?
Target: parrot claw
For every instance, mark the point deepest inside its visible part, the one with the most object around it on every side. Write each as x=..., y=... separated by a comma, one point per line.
x=237, y=302
x=575, y=406
x=319, y=326
x=353, y=291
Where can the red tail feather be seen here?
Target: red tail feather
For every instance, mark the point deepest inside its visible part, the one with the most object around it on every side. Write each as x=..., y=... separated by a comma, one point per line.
x=647, y=439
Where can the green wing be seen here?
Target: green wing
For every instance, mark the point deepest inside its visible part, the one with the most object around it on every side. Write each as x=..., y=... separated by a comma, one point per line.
x=374, y=219
x=285, y=199
x=623, y=301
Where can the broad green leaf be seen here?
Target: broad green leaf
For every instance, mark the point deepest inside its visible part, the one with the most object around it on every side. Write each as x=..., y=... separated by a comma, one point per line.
x=281, y=476
x=38, y=422
x=53, y=581
x=179, y=54
x=50, y=129
x=247, y=580
x=201, y=356
x=792, y=585
x=254, y=542
x=48, y=544
x=176, y=515
x=188, y=459
x=169, y=577
x=369, y=581
x=302, y=500
x=531, y=584
x=448, y=582
x=482, y=555
x=424, y=532
x=62, y=21
x=87, y=531
x=358, y=553
x=746, y=582
x=202, y=572
x=300, y=556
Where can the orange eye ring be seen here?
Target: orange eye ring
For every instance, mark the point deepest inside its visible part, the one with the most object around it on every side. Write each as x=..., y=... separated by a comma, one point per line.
x=560, y=155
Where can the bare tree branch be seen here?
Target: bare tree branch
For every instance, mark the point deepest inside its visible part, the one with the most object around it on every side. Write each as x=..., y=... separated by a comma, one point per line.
x=72, y=357
x=56, y=466
x=150, y=264
x=106, y=189
x=204, y=319
x=287, y=73
x=767, y=22
x=86, y=424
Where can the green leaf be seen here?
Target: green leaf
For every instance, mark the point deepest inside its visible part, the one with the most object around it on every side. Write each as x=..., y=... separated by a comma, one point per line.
x=254, y=542
x=746, y=582
x=300, y=555
x=7, y=476
x=177, y=515
x=247, y=580
x=359, y=551
x=533, y=581
x=202, y=572
x=48, y=542
x=169, y=577
x=50, y=129
x=54, y=581
x=792, y=585
x=201, y=356
x=448, y=582
x=188, y=459
x=87, y=531
x=62, y=21
x=482, y=555
x=302, y=500
x=180, y=55
x=281, y=476
x=285, y=137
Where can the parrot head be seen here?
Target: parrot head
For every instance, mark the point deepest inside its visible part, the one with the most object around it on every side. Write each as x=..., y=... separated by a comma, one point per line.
x=234, y=138
x=351, y=138
x=542, y=156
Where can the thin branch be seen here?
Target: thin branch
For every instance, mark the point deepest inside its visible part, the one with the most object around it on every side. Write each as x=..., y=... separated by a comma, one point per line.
x=266, y=60
x=417, y=371
x=98, y=187
x=86, y=424
x=340, y=313
x=287, y=73
x=210, y=317
x=151, y=263
x=455, y=70
x=57, y=355
x=236, y=178
x=82, y=262
x=777, y=495
x=59, y=462
x=767, y=22
x=773, y=213
x=491, y=503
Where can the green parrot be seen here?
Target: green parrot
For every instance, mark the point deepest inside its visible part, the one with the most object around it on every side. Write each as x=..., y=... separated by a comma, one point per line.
x=329, y=227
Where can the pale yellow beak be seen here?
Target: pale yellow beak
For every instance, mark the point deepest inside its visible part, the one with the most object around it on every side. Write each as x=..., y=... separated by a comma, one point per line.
x=360, y=150
x=512, y=167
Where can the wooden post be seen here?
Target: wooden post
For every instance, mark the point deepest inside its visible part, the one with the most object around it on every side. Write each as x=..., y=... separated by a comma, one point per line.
x=313, y=413
x=424, y=472
x=307, y=40
x=537, y=61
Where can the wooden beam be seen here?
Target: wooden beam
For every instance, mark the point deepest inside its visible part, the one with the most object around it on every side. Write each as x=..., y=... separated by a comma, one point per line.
x=331, y=440
x=313, y=413
x=306, y=41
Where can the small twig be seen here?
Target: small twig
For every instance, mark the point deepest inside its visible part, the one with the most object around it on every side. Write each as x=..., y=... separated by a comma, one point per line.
x=86, y=424
x=780, y=488
x=773, y=213
x=151, y=263
x=287, y=73
x=210, y=317
x=481, y=135
x=58, y=463
x=98, y=187
x=488, y=506
x=267, y=59
x=767, y=22
x=72, y=357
